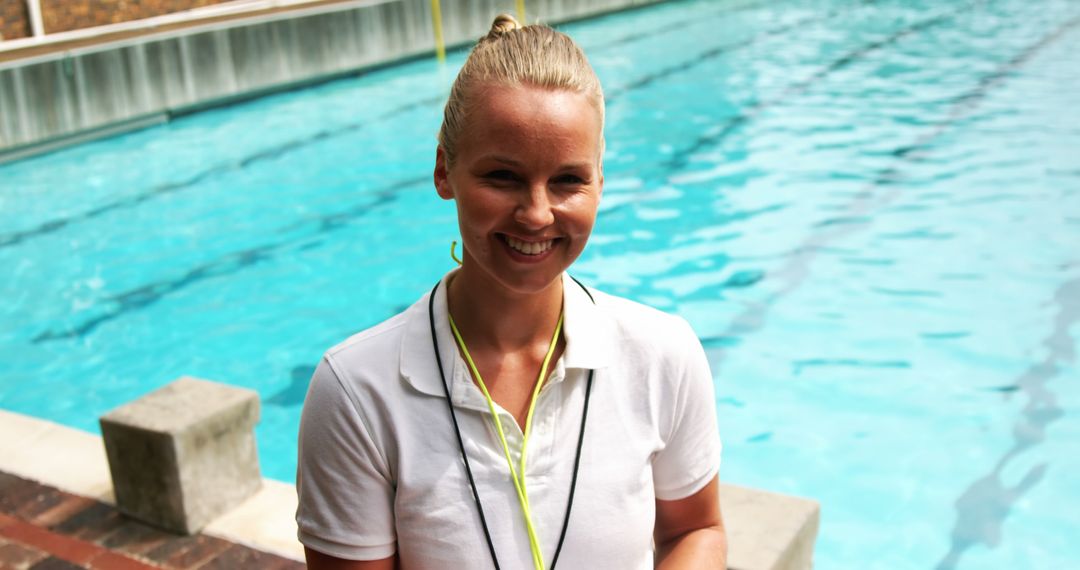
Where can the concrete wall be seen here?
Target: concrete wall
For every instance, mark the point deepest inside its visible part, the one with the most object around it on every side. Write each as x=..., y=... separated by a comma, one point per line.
x=67, y=97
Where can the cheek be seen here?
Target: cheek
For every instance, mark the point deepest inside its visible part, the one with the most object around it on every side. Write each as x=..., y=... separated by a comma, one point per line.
x=476, y=214
x=476, y=219
x=582, y=214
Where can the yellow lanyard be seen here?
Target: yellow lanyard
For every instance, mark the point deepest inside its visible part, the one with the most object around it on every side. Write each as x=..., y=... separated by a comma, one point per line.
x=517, y=475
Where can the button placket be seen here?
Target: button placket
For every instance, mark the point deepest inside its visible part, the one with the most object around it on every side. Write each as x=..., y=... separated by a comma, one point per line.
x=543, y=456
x=547, y=420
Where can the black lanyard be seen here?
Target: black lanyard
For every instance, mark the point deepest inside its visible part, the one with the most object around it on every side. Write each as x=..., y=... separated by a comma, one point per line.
x=461, y=443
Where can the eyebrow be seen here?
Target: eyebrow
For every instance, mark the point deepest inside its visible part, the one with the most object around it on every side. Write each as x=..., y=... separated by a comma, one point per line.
x=505, y=160
x=511, y=162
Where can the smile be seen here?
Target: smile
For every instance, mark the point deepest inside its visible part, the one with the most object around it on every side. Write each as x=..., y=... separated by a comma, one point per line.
x=529, y=247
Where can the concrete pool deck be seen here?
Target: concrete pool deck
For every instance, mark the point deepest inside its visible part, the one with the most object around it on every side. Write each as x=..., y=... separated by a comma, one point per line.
x=766, y=531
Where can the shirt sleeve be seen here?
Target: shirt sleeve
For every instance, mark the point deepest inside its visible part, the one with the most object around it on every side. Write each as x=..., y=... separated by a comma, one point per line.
x=691, y=454
x=344, y=487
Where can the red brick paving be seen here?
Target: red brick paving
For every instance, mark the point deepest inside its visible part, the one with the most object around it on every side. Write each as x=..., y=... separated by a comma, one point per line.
x=80, y=553
x=14, y=555
x=54, y=563
x=43, y=528
x=61, y=511
x=188, y=551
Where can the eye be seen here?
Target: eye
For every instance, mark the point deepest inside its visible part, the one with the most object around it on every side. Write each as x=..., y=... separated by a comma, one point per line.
x=569, y=179
x=501, y=176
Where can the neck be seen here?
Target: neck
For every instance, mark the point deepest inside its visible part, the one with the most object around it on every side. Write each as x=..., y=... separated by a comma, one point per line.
x=491, y=316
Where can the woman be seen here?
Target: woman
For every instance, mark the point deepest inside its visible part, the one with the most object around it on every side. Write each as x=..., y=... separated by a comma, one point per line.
x=513, y=418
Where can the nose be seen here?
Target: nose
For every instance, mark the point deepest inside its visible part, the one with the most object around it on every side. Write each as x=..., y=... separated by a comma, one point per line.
x=534, y=209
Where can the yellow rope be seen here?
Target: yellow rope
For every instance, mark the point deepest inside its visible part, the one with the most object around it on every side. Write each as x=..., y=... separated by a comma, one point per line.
x=519, y=479
x=436, y=21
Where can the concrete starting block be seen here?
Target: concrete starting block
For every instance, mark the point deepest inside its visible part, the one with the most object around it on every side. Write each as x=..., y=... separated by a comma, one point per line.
x=769, y=531
x=184, y=454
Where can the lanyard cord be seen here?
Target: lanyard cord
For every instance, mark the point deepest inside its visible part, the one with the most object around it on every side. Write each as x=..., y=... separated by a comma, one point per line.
x=518, y=475
x=465, y=456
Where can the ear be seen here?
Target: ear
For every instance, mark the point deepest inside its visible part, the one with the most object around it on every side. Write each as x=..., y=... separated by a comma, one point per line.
x=442, y=175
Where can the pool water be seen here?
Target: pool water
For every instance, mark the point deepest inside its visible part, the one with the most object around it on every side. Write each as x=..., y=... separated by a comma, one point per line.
x=869, y=211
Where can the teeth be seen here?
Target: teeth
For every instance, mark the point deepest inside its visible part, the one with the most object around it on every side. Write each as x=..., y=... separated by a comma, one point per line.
x=529, y=248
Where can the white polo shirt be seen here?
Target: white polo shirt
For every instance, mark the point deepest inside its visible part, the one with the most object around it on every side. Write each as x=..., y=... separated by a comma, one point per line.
x=380, y=470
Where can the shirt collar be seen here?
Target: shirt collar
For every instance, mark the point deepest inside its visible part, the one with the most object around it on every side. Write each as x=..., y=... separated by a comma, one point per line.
x=589, y=331
x=587, y=328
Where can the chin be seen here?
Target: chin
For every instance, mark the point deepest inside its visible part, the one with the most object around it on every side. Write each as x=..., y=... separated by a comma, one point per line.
x=529, y=284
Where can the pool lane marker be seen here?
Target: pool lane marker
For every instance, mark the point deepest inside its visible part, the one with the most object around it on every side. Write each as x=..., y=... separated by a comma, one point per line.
x=681, y=159
x=677, y=25
x=718, y=134
x=613, y=95
x=795, y=271
x=273, y=152
x=230, y=263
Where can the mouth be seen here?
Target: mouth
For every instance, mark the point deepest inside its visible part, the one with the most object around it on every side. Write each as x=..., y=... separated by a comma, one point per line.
x=532, y=249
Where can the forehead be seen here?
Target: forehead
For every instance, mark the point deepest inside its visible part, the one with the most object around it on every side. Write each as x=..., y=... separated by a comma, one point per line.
x=518, y=116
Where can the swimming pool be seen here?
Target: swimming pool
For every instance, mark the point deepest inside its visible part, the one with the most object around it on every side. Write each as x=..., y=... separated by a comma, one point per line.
x=869, y=211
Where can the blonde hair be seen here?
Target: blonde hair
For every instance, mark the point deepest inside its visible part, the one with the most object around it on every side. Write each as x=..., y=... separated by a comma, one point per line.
x=512, y=54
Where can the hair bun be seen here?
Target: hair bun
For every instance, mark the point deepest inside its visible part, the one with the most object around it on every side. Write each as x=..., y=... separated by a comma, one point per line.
x=503, y=24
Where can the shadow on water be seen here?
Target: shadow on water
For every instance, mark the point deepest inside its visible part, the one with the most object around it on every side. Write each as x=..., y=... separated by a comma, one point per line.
x=300, y=376
x=983, y=508
x=294, y=393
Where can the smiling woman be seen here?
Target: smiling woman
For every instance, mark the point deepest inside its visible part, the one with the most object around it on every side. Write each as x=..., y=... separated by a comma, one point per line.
x=514, y=416
x=527, y=179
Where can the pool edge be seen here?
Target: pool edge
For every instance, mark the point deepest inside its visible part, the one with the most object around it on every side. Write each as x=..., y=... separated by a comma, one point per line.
x=45, y=451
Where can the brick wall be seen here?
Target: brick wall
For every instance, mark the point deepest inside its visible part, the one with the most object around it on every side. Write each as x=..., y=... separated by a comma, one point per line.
x=64, y=15
x=14, y=19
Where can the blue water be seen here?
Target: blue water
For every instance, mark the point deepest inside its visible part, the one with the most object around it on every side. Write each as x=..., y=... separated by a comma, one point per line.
x=870, y=212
